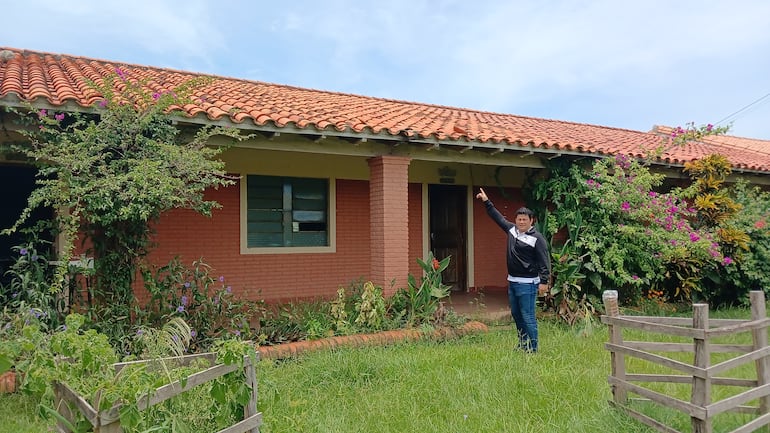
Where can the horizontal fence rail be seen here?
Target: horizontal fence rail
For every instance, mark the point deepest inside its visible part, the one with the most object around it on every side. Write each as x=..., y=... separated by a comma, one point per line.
x=701, y=374
x=108, y=421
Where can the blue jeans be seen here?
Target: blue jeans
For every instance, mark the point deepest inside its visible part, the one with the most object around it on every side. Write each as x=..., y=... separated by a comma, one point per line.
x=521, y=298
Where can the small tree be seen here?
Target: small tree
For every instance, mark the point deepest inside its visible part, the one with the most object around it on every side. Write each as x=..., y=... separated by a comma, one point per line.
x=109, y=175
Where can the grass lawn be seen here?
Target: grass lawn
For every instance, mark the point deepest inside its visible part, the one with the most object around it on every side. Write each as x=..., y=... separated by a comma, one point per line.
x=475, y=384
x=478, y=383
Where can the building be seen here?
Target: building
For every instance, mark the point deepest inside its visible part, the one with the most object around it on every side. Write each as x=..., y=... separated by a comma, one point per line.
x=366, y=185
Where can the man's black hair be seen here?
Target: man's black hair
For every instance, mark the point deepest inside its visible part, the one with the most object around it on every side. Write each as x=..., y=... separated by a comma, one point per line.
x=525, y=211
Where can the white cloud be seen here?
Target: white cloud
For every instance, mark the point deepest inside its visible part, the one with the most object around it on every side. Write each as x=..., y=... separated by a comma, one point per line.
x=182, y=31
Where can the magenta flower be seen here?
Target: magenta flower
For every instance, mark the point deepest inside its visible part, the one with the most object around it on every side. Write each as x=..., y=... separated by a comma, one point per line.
x=694, y=237
x=727, y=260
x=635, y=277
x=42, y=113
x=709, y=127
x=59, y=117
x=120, y=73
x=156, y=96
x=625, y=206
x=103, y=103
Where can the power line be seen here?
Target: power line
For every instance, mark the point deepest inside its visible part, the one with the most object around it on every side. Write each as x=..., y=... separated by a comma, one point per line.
x=744, y=108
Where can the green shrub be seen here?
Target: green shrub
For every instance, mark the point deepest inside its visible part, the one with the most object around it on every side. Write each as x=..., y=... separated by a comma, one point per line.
x=206, y=303
x=418, y=303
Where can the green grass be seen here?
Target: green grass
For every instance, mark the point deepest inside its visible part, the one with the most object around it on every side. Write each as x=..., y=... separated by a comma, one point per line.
x=478, y=383
x=18, y=415
x=475, y=384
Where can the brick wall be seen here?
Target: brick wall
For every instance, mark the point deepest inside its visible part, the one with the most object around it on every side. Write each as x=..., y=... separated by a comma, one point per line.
x=415, y=229
x=277, y=277
x=389, y=205
x=489, y=241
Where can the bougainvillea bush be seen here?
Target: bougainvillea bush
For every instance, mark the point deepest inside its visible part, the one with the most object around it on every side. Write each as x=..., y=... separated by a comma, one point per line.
x=624, y=233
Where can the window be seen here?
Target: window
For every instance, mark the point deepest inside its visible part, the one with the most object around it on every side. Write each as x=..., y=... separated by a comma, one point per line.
x=286, y=212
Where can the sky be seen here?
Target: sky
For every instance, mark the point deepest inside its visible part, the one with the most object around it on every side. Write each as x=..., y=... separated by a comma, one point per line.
x=623, y=64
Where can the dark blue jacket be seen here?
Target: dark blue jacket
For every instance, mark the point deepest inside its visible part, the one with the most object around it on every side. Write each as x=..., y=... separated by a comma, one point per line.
x=527, y=255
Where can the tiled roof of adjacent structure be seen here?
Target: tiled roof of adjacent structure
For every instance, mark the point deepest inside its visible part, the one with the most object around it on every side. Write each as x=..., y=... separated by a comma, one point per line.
x=60, y=81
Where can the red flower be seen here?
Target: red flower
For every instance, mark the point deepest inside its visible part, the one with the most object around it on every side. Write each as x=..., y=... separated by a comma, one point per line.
x=435, y=264
x=760, y=224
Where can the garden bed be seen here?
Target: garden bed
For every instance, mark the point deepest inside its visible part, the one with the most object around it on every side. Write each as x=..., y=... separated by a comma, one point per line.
x=288, y=350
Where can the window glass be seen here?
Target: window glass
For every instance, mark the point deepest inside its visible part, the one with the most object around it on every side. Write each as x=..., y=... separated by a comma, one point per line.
x=287, y=212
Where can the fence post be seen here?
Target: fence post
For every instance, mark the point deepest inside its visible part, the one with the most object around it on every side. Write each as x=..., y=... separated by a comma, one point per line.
x=759, y=336
x=701, y=386
x=610, y=299
x=251, y=380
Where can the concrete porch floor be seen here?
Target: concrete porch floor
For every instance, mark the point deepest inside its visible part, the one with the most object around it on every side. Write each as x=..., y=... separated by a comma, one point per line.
x=487, y=304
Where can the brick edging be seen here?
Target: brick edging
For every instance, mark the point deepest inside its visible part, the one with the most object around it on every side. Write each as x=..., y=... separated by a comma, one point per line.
x=295, y=348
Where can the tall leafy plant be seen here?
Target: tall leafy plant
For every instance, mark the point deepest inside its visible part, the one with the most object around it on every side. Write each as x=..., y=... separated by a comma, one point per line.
x=623, y=234
x=111, y=174
x=419, y=301
x=749, y=267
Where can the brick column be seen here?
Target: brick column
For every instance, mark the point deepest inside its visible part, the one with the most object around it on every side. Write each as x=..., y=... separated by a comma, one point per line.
x=389, y=210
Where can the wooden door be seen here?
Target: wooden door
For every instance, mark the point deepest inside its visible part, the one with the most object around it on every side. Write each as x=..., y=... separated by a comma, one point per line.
x=448, y=228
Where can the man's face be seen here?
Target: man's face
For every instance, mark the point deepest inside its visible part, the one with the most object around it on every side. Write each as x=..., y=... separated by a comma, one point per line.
x=523, y=222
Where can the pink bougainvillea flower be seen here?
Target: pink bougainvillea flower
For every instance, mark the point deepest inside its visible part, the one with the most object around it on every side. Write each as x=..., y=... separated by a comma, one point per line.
x=694, y=237
x=59, y=117
x=42, y=113
x=625, y=206
x=727, y=260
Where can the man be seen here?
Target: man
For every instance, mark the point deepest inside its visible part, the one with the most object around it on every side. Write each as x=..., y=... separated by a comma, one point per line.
x=529, y=269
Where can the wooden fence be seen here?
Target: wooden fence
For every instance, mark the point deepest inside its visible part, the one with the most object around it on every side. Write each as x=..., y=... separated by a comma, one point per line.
x=700, y=374
x=108, y=421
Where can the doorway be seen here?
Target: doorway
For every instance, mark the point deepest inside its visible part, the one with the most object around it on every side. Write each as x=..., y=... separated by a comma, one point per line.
x=447, y=207
x=16, y=184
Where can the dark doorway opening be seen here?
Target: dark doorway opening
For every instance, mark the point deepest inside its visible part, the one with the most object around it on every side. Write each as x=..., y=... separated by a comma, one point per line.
x=448, y=228
x=16, y=184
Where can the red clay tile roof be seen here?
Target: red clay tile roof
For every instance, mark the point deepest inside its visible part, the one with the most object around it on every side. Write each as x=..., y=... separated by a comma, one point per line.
x=59, y=81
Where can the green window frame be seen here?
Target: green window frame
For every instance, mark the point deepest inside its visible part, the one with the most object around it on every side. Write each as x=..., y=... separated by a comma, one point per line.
x=283, y=212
